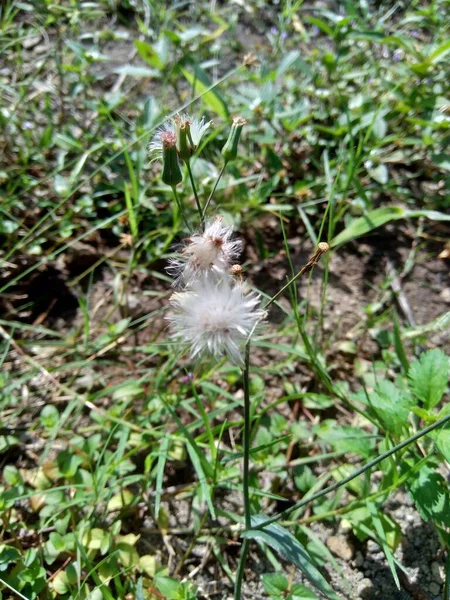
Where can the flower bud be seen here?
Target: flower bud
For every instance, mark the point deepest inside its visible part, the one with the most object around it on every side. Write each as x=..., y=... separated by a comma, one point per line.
x=171, y=174
x=229, y=151
x=184, y=138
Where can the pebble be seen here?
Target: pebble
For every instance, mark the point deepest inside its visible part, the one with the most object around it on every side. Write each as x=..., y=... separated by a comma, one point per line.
x=373, y=547
x=445, y=295
x=364, y=585
x=434, y=588
x=437, y=571
x=340, y=546
x=359, y=560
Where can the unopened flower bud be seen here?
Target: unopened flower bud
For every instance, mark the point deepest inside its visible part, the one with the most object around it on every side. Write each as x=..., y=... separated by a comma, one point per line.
x=171, y=174
x=229, y=151
x=184, y=142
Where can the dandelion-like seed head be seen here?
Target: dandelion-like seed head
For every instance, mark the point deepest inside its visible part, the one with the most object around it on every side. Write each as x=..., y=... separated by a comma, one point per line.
x=185, y=128
x=155, y=147
x=168, y=140
x=215, y=318
x=206, y=255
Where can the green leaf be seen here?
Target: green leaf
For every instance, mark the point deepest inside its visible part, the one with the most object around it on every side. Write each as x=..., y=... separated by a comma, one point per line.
x=201, y=85
x=275, y=583
x=167, y=586
x=344, y=438
x=431, y=496
x=391, y=406
x=381, y=216
x=301, y=592
x=49, y=416
x=163, y=450
x=60, y=583
x=442, y=440
x=378, y=525
x=283, y=542
x=429, y=376
x=149, y=54
x=365, y=224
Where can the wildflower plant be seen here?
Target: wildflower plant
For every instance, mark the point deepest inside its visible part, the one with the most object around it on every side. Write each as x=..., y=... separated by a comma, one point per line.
x=214, y=313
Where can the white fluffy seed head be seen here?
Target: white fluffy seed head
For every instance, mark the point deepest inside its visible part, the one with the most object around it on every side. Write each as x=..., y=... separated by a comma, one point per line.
x=197, y=127
x=215, y=318
x=206, y=255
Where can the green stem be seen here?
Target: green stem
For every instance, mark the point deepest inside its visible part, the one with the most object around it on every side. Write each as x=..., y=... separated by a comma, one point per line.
x=194, y=189
x=214, y=188
x=245, y=479
x=180, y=208
x=240, y=571
x=245, y=487
x=357, y=473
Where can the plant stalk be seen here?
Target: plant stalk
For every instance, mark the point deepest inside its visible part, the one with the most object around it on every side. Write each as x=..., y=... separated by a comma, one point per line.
x=219, y=177
x=180, y=208
x=194, y=189
x=246, y=469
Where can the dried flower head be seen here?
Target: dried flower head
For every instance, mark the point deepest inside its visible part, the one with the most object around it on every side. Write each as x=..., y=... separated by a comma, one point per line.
x=206, y=255
x=188, y=132
x=215, y=318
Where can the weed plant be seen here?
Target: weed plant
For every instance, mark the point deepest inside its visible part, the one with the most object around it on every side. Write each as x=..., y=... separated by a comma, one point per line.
x=123, y=457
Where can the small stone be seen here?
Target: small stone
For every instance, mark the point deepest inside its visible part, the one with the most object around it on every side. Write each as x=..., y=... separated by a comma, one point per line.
x=359, y=560
x=445, y=295
x=434, y=588
x=373, y=547
x=437, y=571
x=340, y=546
x=364, y=585
x=378, y=557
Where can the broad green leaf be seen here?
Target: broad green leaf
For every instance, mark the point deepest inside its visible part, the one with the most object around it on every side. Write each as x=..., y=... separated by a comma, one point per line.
x=167, y=586
x=60, y=583
x=201, y=85
x=344, y=438
x=275, y=583
x=391, y=406
x=442, y=440
x=431, y=496
x=283, y=542
x=428, y=376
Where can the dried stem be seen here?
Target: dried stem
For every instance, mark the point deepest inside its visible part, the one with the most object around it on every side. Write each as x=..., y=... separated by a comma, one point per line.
x=322, y=248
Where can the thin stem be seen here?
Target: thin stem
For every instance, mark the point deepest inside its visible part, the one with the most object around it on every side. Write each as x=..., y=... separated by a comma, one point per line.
x=322, y=249
x=245, y=479
x=357, y=473
x=214, y=188
x=245, y=488
x=197, y=201
x=240, y=571
x=180, y=208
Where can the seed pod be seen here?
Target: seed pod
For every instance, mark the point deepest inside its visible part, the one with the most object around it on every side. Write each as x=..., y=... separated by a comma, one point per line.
x=229, y=151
